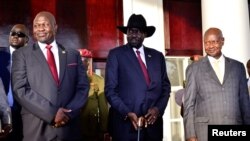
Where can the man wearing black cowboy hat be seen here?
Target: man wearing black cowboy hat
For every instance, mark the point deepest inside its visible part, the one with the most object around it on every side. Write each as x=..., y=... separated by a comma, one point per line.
x=136, y=86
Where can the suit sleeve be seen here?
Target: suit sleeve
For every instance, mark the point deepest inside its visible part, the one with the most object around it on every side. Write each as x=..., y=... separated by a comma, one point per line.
x=28, y=98
x=189, y=102
x=5, y=111
x=111, y=85
x=166, y=88
x=81, y=90
x=244, y=97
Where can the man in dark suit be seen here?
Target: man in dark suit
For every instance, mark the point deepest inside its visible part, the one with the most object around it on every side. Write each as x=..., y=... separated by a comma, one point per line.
x=5, y=116
x=136, y=85
x=216, y=90
x=50, y=83
x=18, y=38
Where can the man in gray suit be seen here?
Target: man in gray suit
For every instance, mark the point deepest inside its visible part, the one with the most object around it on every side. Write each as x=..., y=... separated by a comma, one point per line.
x=50, y=83
x=5, y=114
x=217, y=97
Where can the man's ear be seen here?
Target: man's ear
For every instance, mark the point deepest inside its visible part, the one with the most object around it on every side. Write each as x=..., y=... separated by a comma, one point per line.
x=26, y=40
x=222, y=40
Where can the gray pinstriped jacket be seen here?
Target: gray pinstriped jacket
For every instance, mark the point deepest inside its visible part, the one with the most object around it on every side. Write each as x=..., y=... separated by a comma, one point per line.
x=207, y=101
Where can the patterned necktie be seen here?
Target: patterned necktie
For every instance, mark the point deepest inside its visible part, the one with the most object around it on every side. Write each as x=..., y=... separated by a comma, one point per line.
x=143, y=67
x=216, y=65
x=52, y=64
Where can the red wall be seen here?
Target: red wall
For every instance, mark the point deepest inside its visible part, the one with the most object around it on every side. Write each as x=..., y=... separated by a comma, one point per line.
x=92, y=24
x=87, y=24
x=185, y=27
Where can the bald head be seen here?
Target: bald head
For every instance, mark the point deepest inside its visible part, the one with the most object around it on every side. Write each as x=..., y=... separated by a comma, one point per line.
x=44, y=27
x=48, y=15
x=19, y=36
x=214, y=31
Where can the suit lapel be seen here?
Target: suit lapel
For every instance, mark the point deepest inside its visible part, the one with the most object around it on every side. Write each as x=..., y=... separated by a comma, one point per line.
x=9, y=59
x=5, y=60
x=38, y=54
x=62, y=63
x=209, y=69
x=149, y=62
x=227, y=68
x=134, y=61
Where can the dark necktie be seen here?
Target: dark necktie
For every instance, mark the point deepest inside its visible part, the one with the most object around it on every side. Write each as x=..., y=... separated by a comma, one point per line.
x=143, y=67
x=52, y=63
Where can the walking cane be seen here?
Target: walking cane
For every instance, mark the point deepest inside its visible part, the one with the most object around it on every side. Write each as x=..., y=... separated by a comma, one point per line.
x=140, y=125
x=138, y=134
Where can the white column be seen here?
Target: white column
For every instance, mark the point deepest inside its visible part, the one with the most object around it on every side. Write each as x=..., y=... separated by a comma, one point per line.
x=232, y=17
x=152, y=10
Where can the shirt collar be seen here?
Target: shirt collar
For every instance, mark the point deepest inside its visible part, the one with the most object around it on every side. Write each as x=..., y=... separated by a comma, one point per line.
x=43, y=45
x=12, y=49
x=141, y=49
x=212, y=59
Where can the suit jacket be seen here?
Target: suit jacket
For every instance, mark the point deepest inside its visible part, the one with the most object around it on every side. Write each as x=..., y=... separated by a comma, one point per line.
x=5, y=116
x=5, y=66
x=126, y=90
x=40, y=97
x=207, y=101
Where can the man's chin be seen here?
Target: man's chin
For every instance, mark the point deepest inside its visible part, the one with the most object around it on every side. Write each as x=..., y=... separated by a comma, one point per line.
x=135, y=45
x=41, y=40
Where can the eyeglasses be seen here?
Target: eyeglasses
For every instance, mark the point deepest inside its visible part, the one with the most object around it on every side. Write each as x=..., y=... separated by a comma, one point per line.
x=18, y=34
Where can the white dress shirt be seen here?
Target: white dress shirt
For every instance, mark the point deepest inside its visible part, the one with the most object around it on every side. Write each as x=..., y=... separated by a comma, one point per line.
x=54, y=50
x=142, y=54
x=221, y=64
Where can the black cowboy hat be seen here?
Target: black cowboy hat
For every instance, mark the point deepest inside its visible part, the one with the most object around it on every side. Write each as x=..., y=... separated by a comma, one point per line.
x=138, y=21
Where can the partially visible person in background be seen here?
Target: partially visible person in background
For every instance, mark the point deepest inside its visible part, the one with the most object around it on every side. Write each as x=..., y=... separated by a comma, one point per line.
x=195, y=58
x=18, y=38
x=248, y=71
x=179, y=95
x=94, y=115
x=5, y=114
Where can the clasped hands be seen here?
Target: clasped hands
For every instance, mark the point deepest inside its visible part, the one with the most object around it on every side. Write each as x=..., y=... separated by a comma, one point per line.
x=61, y=117
x=144, y=121
x=7, y=129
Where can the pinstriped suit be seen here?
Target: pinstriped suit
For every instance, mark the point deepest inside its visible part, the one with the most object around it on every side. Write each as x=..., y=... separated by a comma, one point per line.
x=207, y=101
x=40, y=97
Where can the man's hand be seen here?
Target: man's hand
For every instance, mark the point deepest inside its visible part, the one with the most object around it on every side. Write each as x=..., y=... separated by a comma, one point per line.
x=152, y=115
x=133, y=118
x=6, y=130
x=61, y=117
